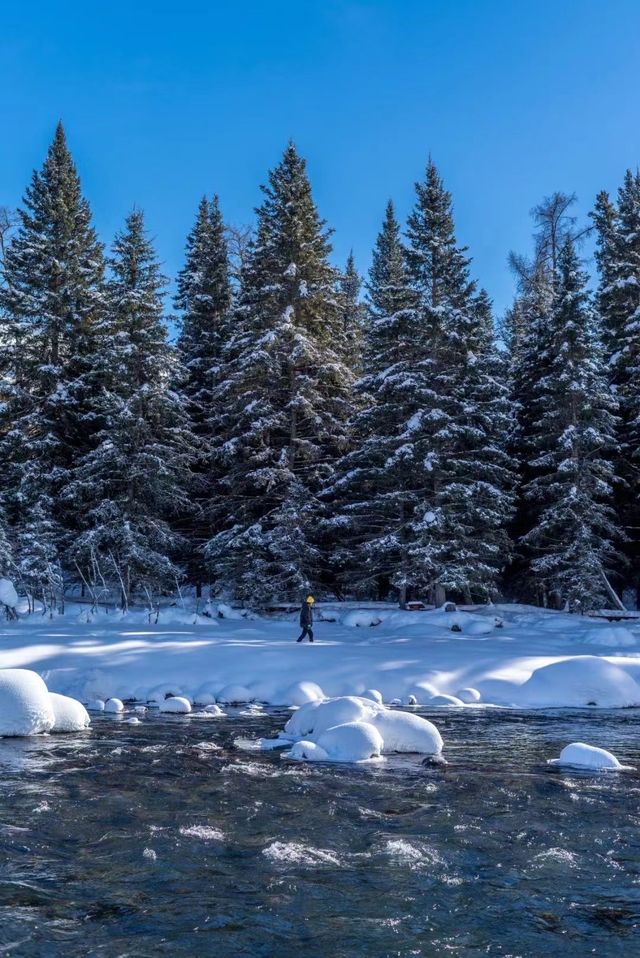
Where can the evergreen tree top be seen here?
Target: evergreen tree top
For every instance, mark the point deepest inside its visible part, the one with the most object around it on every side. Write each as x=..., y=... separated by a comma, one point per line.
x=438, y=266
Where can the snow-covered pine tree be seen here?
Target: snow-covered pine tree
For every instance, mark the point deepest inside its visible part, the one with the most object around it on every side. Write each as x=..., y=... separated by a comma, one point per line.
x=572, y=545
x=52, y=303
x=374, y=495
x=618, y=301
x=129, y=486
x=353, y=312
x=459, y=538
x=528, y=330
x=204, y=297
x=288, y=398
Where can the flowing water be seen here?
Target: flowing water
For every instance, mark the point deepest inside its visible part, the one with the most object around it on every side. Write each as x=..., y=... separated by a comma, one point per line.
x=142, y=840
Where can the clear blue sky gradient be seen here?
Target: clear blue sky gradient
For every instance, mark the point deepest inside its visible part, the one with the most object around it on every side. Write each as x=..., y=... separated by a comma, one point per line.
x=164, y=102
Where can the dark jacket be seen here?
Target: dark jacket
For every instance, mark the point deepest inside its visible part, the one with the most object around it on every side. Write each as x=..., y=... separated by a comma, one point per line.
x=306, y=615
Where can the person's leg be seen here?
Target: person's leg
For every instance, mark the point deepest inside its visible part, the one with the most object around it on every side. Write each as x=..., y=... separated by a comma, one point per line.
x=310, y=631
x=302, y=635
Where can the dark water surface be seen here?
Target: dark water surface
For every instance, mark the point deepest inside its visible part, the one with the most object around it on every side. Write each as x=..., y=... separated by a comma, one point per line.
x=143, y=840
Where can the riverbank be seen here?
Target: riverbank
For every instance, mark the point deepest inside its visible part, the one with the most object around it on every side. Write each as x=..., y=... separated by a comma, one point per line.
x=516, y=656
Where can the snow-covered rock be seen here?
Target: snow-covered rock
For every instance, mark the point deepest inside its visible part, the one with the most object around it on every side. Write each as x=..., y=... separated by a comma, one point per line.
x=176, y=704
x=115, y=706
x=579, y=755
x=577, y=682
x=314, y=718
x=133, y=721
x=372, y=694
x=159, y=693
x=422, y=691
x=351, y=742
x=95, y=705
x=25, y=703
x=468, y=696
x=361, y=619
x=8, y=594
x=70, y=715
x=307, y=752
x=440, y=700
x=234, y=695
x=213, y=709
x=206, y=695
x=402, y=732
x=302, y=692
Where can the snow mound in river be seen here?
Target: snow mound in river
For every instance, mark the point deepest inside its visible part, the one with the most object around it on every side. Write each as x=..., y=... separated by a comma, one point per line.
x=70, y=715
x=403, y=732
x=578, y=682
x=579, y=755
x=331, y=727
x=176, y=704
x=25, y=703
x=351, y=742
x=234, y=695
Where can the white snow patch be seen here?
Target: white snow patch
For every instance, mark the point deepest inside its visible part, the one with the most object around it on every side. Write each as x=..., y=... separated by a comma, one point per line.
x=441, y=700
x=8, y=594
x=579, y=755
x=114, y=706
x=578, y=682
x=70, y=715
x=351, y=742
x=25, y=703
x=402, y=732
x=302, y=692
x=468, y=696
x=176, y=704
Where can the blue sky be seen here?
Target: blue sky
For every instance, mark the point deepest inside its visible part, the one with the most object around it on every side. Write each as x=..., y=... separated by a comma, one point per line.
x=163, y=102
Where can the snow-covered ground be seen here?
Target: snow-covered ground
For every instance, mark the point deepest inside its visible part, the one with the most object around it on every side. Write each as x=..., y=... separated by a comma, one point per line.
x=533, y=658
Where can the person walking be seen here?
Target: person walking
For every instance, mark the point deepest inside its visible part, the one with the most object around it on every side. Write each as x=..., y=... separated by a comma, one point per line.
x=306, y=618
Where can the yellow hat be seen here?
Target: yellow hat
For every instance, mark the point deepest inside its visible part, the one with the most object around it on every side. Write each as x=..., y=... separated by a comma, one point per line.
x=310, y=599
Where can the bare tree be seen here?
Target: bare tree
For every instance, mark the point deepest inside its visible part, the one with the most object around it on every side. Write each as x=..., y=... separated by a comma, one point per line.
x=7, y=222
x=238, y=240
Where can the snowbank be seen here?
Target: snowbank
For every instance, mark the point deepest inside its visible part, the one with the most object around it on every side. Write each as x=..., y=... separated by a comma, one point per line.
x=578, y=682
x=579, y=755
x=133, y=657
x=25, y=703
x=234, y=695
x=302, y=692
x=438, y=701
x=69, y=714
x=468, y=696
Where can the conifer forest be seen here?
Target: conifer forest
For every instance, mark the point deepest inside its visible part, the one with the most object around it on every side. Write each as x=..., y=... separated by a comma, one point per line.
x=275, y=424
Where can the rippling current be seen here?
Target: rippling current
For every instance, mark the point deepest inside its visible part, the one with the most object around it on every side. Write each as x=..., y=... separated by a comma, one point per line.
x=148, y=840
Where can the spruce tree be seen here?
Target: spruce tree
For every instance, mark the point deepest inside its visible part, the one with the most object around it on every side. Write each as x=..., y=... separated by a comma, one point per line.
x=205, y=298
x=136, y=479
x=618, y=301
x=287, y=397
x=572, y=545
x=353, y=313
x=459, y=539
x=373, y=496
x=52, y=304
